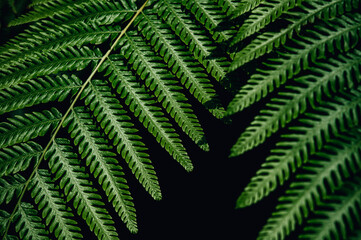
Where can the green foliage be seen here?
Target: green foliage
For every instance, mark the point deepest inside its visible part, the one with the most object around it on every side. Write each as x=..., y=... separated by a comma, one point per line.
x=64, y=136
x=302, y=64
x=23, y=128
x=18, y=157
x=11, y=187
x=82, y=82
x=57, y=215
x=66, y=166
x=29, y=225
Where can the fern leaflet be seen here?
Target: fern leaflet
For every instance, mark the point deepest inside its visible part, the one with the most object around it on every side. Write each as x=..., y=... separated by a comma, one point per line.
x=29, y=224
x=180, y=60
x=94, y=149
x=38, y=91
x=23, y=128
x=338, y=215
x=117, y=125
x=57, y=215
x=74, y=181
x=11, y=187
x=149, y=114
x=164, y=86
x=18, y=157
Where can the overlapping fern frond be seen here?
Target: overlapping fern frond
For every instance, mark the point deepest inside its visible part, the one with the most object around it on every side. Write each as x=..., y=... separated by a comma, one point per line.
x=304, y=72
x=299, y=60
x=158, y=59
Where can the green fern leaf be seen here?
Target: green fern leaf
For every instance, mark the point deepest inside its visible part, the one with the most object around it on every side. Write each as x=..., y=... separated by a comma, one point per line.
x=342, y=72
x=194, y=37
x=339, y=214
x=117, y=125
x=11, y=187
x=37, y=91
x=23, y=128
x=180, y=60
x=57, y=215
x=54, y=8
x=70, y=59
x=306, y=13
x=262, y=16
x=323, y=173
x=18, y=157
x=305, y=138
x=277, y=71
x=99, y=158
x=28, y=223
x=151, y=70
x=210, y=15
x=149, y=114
x=86, y=26
x=64, y=163
x=67, y=41
x=67, y=37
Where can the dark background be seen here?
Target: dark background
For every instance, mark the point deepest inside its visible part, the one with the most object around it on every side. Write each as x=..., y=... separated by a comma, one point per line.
x=195, y=205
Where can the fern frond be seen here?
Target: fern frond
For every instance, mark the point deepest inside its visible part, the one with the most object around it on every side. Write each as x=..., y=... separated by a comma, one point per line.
x=303, y=139
x=306, y=13
x=41, y=90
x=308, y=48
x=18, y=157
x=181, y=61
x=149, y=114
x=10, y=187
x=117, y=125
x=64, y=163
x=28, y=223
x=193, y=36
x=163, y=84
x=338, y=215
x=210, y=15
x=263, y=15
x=83, y=26
x=48, y=42
x=322, y=174
x=99, y=158
x=66, y=60
x=52, y=9
x=342, y=72
x=58, y=217
x=23, y=128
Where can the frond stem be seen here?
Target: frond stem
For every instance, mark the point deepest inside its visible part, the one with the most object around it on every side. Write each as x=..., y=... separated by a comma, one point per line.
x=106, y=55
